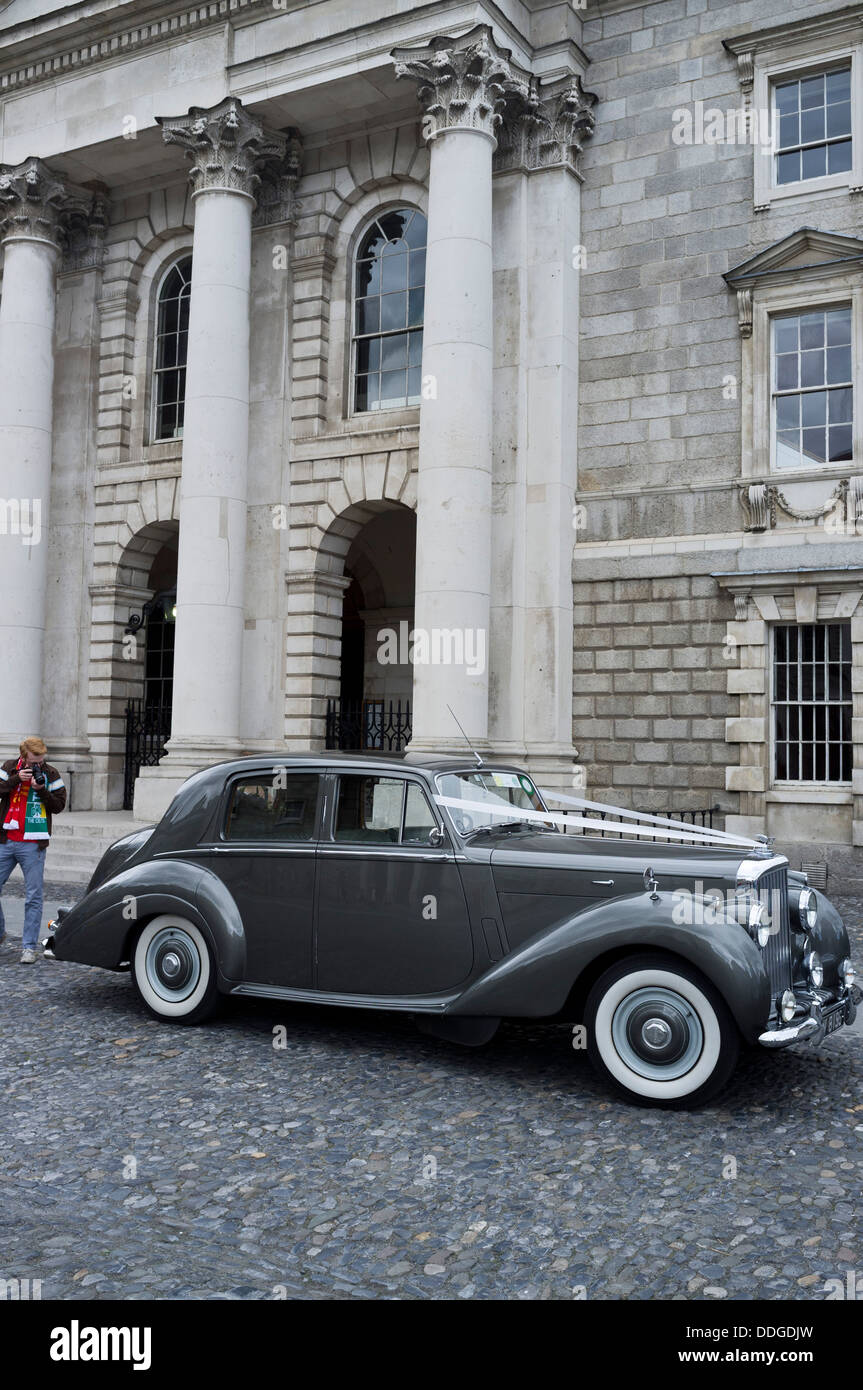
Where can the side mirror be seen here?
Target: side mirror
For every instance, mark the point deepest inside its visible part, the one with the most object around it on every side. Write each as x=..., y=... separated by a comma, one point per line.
x=436, y=836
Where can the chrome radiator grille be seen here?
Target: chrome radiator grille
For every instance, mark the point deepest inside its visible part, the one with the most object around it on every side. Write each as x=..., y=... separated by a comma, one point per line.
x=772, y=889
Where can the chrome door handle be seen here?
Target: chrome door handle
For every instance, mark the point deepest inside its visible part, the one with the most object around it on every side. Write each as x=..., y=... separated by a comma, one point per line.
x=606, y=882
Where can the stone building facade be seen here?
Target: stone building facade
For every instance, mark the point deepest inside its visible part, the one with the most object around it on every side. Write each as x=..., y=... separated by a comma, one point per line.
x=528, y=333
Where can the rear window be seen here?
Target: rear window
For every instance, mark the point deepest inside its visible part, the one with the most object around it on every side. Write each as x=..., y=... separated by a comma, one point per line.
x=281, y=808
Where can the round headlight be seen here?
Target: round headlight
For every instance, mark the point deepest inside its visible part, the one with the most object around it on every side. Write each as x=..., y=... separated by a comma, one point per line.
x=788, y=1006
x=814, y=968
x=807, y=908
x=847, y=973
x=759, y=923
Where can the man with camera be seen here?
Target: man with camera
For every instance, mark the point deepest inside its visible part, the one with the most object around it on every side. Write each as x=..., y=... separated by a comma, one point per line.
x=31, y=792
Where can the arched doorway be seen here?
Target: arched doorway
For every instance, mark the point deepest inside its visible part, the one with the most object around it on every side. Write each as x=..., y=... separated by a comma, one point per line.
x=147, y=713
x=372, y=711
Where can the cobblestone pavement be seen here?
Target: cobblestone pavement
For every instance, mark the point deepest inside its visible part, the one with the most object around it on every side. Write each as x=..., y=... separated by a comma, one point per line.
x=366, y=1160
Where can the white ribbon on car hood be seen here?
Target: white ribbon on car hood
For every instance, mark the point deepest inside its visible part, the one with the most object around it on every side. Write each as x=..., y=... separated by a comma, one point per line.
x=693, y=835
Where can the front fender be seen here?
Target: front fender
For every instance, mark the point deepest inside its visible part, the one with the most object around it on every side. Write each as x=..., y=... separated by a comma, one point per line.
x=535, y=981
x=98, y=928
x=830, y=939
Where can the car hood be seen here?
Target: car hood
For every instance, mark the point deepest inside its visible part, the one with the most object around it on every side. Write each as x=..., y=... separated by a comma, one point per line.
x=670, y=863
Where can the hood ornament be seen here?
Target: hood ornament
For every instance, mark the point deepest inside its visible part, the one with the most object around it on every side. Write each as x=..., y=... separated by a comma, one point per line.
x=651, y=884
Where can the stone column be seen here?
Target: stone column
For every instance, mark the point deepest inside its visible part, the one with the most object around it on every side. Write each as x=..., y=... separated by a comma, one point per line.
x=228, y=149
x=535, y=521
x=33, y=205
x=463, y=85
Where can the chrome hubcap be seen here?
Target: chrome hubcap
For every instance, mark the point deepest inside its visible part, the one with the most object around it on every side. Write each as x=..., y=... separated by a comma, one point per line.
x=657, y=1033
x=173, y=965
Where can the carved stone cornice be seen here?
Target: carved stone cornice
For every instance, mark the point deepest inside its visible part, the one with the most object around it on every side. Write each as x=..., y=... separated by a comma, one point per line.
x=463, y=83
x=34, y=202
x=229, y=148
x=548, y=128
x=761, y=501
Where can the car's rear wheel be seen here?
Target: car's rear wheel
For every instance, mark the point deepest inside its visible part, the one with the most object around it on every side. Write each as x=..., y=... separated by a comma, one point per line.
x=174, y=972
x=660, y=1033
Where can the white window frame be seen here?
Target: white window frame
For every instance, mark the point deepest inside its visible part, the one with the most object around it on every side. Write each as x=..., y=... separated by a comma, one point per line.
x=759, y=442
x=767, y=74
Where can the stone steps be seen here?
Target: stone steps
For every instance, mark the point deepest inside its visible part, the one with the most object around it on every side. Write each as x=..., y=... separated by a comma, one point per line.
x=79, y=840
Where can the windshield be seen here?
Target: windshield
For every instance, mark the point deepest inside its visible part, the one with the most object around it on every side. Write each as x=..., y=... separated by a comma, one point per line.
x=508, y=792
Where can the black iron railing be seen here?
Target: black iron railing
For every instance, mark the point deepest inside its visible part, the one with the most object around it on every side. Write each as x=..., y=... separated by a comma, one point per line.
x=701, y=817
x=368, y=725
x=148, y=728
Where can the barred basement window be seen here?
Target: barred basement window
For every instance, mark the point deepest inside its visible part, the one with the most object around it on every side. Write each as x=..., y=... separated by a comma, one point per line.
x=172, y=346
x=812, y=702
x=389, y=304
x=812, y=117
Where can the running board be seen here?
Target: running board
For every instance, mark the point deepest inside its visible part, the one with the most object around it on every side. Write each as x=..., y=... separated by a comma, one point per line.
x=415, y=1003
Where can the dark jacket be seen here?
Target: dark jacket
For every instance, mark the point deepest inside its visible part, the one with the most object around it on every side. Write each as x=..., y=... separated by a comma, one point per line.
x=53, y=801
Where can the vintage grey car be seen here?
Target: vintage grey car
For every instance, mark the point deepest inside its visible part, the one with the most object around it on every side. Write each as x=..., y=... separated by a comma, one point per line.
x=366, y=882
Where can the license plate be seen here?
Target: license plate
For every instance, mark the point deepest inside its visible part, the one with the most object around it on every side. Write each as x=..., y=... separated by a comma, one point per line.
x=834, y=1019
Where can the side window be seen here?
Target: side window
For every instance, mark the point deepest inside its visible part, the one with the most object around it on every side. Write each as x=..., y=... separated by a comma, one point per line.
x=369, y=810
x=419, y=818
x=261, y=808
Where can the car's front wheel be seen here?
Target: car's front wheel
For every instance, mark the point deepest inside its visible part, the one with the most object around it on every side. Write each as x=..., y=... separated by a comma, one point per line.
x=173, y=971
x=660, y=1033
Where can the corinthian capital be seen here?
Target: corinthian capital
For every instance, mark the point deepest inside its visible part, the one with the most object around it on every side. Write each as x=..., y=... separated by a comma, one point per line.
x=34, y=202
x=463, y=83
x=548, y=129
x=228, y=147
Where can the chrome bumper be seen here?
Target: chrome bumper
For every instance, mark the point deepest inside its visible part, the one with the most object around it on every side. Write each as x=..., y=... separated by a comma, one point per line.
x=814, y=1026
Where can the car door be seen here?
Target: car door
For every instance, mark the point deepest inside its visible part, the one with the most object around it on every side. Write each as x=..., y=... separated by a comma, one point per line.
x=265, y=855
x=392, y=917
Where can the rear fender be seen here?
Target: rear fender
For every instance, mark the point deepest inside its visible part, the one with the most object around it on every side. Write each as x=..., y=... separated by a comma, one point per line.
x=536, y=980
x=99, y=928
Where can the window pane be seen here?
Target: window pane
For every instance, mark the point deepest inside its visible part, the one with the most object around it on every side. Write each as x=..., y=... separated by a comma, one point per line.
x=838, y=85
x=814, y=405
x=813, y=162
x=393, y=388
x=369, y=810
x=368, y=278
x=368, y=354
x=838, y=364
x=787, y=378
x=368, y=315
x=395, y=273
x=812, y=126
x=812, y=91
x=786, y=334
x=787, y=96
x=263, y=809
x=838, y=326
x=839, y=405
x=841, y=447
x=394, y=351
x=789, y=130
x=419, y=819
x=417, y=306
x=393, y=311
x=788, y=167
x=839, y=119
x=815, y=445
x=812, y=367
x=416, y=230
x=839, y=157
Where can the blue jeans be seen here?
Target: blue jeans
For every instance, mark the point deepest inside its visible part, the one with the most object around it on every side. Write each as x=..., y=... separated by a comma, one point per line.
x=32, y=861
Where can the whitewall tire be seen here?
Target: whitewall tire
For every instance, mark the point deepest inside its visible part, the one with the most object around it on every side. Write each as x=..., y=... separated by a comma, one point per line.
x=173, y=970
x=660, y=1033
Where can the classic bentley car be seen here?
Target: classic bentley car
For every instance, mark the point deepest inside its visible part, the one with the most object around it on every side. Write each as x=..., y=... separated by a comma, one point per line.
x=419, y=885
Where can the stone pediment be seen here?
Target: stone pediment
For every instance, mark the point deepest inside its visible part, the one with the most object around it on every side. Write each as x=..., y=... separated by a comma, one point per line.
x=806, y=252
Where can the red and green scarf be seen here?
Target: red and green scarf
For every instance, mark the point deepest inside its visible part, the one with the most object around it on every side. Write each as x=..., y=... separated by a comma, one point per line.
x=27, y=812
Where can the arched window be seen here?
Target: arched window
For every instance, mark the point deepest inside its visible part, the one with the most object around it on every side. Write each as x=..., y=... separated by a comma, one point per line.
x=389, y=294
x=172, y=344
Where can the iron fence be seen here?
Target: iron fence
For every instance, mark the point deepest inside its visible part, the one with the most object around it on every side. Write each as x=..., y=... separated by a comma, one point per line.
x=368, y=725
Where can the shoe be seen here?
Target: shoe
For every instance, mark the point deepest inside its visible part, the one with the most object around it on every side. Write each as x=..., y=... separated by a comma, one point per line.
x=28, y=957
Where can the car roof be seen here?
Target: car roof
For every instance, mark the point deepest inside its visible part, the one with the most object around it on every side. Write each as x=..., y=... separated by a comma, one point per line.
x=396, y=762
